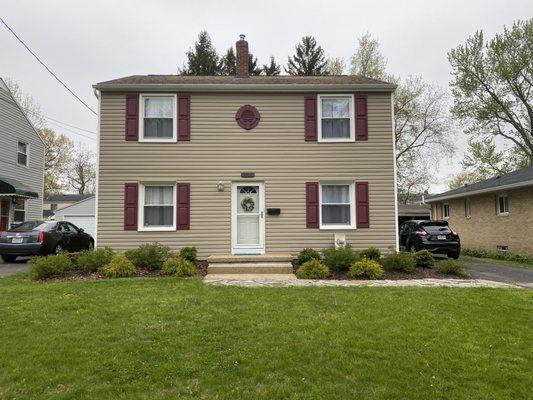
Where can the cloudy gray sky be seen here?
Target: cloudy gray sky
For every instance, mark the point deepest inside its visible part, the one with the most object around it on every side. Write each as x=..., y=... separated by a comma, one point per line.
x=90, y=41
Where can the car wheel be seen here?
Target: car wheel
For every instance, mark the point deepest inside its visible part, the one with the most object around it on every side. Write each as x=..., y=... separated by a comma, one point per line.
x=91, y=246
x=9, y=259
x=58, y=249
x=455, y=256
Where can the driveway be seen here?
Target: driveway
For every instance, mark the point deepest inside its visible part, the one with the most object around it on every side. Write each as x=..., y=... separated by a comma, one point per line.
x=500, y=272
x=14, y=268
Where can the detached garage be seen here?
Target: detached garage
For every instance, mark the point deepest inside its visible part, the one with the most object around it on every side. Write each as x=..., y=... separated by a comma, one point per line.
x=81, y=214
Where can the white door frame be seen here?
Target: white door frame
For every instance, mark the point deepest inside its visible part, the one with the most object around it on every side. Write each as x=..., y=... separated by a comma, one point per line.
x=247, y=249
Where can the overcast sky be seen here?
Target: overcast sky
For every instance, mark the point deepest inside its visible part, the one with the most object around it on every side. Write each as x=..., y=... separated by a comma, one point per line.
x=86, y=42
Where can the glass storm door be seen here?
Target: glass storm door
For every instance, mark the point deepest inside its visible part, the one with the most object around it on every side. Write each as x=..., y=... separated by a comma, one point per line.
x=248, y=218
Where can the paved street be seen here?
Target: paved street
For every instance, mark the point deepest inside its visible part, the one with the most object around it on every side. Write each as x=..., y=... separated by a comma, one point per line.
x=13, y=268
x=500, y=273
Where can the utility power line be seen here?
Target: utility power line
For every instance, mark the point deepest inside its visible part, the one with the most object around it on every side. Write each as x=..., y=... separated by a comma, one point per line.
x=71, y=131
x=72, y=126
x=46, y=67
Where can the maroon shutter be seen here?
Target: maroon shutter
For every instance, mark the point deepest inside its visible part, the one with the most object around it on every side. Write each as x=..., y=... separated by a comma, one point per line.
x=132, y=117
x=184, y=205
x=131, y=192
x=184, y=118
x=311, y=204
x=362, y=205
x=361, y=118
x=310, y=119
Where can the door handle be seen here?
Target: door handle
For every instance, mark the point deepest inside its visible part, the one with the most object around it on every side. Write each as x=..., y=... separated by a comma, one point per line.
x=261, y=214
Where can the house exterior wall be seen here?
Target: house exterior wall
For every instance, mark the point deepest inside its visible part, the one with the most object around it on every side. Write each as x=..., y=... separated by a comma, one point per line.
x=84, y=207
x=219, y=150
x=485, y=229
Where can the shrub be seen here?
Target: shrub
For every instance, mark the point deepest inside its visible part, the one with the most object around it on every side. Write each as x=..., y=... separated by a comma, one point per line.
x=179, y=266
x=313, y=269
x=366, y=269
x=451, y=267
x=189, y=254
x=498, y=255
x=371, y=253
x=50, y=266
x=92, y=261
x=340, y=259
x=400, y=262
x=307, y=255
x=149, y=256
x=119, y=267
x=424, y=258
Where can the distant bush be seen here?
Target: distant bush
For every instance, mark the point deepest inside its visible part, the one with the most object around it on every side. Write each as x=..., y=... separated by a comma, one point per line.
x=119, y=267
x=51, y=266
x=307, y=255
x=366, y=269
x=149, y=256
x=340, y=259
x=399, y=262
x=92, y=261
x=189, y=254
x=451, y=267
x=313, y=269
x=498, y=255
x=371, y=253
x=178, y=266
x=424, y=258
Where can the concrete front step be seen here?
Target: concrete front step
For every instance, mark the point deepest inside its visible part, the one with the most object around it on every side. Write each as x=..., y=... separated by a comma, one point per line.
x=230, y=258
x=264, y=267
x=250, y=277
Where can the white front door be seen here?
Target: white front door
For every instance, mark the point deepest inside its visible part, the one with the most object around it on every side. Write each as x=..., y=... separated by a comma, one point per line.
x=248, y=218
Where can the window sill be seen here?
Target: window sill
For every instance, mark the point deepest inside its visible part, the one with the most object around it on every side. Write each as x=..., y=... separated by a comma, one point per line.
x=337, y=227
x=157, y=229
x=170, y=140
x=350, y=140
x=503, y=214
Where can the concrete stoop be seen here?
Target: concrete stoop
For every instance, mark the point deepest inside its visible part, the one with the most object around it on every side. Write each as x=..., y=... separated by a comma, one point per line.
x=271, y=264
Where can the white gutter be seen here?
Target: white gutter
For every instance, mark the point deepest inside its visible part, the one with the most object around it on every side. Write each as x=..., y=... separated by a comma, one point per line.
x=481, y=191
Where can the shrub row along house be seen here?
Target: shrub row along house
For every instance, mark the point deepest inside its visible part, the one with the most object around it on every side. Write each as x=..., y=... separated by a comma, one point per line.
x=246, y=165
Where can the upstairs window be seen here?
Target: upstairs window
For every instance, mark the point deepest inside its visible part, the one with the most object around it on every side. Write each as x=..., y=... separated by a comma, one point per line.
x=337, y=206
x=503, y=205
x=336, y=118
x=446, y=210
x=22, y=153
x=158, y=118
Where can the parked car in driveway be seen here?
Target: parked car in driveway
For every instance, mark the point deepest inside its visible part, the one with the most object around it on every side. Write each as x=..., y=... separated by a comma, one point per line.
x=41, y=238
x=434, y=236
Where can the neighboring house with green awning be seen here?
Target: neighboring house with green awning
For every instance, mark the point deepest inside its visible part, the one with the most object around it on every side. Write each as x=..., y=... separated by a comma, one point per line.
x=21, y=164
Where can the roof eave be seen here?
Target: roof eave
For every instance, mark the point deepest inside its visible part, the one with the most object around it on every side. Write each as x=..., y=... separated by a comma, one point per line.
x=515, y=185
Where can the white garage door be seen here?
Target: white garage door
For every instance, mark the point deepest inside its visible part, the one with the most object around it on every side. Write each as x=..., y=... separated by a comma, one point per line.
x=82, y=221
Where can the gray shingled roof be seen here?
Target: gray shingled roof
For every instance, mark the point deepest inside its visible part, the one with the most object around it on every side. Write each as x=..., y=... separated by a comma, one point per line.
x=522, y=177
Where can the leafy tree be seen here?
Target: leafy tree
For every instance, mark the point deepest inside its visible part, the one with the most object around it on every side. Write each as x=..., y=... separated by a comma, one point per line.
x=31, y=108
x=272, y=69
x=229, y=63
x=368, y=60
x=204, y=59
x=413, y=177
x=81, y=172
x=335, y=66
x=308, y=60
x=57, y=159
x=253, y=69
x=492, y=86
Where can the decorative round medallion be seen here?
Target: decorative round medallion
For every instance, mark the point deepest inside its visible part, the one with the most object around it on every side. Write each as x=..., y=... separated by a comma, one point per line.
x=248, y=204
x=247, y=117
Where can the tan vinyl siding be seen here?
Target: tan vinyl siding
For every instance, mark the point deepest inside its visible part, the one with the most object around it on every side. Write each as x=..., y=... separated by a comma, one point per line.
x=220, y=150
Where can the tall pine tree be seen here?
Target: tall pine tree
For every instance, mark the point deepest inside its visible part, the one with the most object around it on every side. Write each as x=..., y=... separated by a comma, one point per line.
x=308, y=60
x=253, y=69
x=272, y=69
x=229, y=63
x=204, y=59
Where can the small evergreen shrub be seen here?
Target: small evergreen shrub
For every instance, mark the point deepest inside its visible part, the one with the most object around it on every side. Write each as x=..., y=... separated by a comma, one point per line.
x=371, y=253
x=313, y=269
x=400, y=262
x=189, y=254
x=51, y=266
x=366, y=269
x=119, y=267
x=451, y=267
x=178, y=266
x=149, y=256
x=307, y=255
x=424, y=258
x=92, y=261
x=340, y=259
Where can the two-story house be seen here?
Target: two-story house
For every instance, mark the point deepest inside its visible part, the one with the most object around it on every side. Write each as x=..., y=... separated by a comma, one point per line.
x=21, y=164
x=246, y=165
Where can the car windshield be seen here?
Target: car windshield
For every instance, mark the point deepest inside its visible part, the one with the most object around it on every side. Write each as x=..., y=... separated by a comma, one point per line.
x=33, y=226
x=435, y=226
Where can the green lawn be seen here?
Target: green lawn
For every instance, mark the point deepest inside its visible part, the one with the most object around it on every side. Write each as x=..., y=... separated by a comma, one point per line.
x=181, y=339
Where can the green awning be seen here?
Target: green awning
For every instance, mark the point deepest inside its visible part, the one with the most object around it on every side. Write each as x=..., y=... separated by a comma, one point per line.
x=11, y=187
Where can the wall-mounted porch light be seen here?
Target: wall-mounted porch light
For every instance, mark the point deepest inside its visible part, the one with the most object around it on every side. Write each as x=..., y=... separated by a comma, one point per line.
x=220, y=186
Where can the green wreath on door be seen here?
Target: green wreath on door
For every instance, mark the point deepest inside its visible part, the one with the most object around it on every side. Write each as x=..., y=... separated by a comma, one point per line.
x=248, y=204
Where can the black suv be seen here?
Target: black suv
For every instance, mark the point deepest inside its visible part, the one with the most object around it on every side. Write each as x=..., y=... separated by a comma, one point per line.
x=435, y=236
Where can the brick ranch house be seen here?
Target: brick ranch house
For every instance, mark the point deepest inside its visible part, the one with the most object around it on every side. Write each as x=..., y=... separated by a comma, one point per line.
x=246, y=165
x=495, y=214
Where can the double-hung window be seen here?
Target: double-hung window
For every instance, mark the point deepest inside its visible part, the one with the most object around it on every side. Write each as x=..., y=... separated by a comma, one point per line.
x=157, y=207
x=19, y=210
x=446, y=210
x=22, y=153
x=158, y=118
x=503, y=205
x=336, y=118
x=337, y=208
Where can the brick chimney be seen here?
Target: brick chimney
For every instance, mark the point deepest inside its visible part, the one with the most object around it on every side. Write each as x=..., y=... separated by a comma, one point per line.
x=242, y=57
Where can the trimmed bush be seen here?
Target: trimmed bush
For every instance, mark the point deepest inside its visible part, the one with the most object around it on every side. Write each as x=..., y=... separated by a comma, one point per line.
x=340, y=259
x=498, y=255
x=307, y=255
x=313, y=269
x=424, y=258
x=149, y=256
x=451, y=267
x=189, y=254
x=92, y=261
x=119, y=267
x=51, y=266
x=366, y=269
x=399, y=262
x=371, y=253
x=178, y=266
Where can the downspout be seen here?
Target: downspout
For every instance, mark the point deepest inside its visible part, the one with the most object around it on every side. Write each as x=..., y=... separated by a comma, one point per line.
x=97, y=94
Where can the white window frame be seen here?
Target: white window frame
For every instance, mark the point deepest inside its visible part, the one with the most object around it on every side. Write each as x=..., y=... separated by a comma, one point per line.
x=174, y=137
x=468, y=208
x=142, y=196
x=498, y=211
x=352, y=205
x=19, y=209
x=27, y=154
x=352, y=117
x=444, y=206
